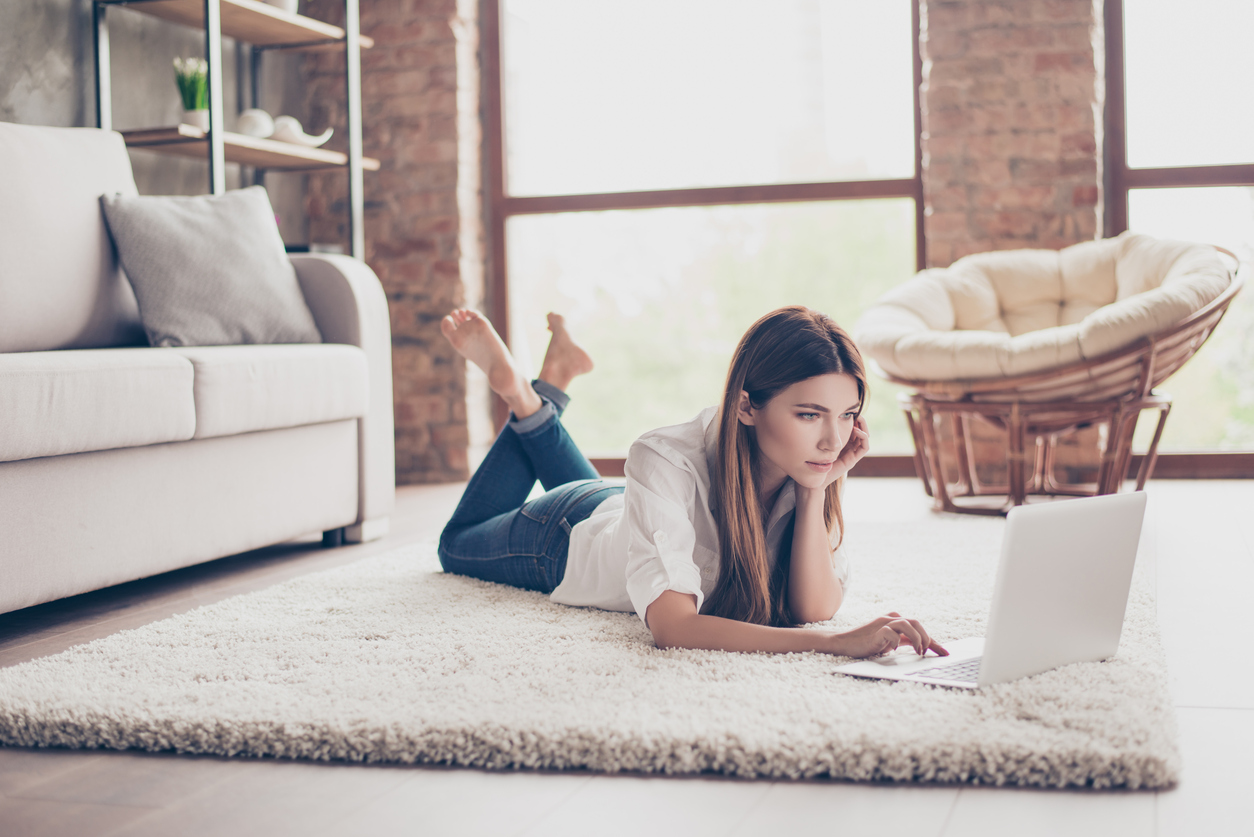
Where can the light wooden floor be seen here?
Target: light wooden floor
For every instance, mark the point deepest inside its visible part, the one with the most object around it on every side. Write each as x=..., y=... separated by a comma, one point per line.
x=1199, y=541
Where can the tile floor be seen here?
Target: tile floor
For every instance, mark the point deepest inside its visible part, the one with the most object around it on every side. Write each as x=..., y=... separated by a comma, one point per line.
x=1199, y=542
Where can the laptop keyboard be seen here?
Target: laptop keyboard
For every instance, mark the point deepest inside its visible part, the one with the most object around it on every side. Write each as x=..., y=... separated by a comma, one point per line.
x=967, y=671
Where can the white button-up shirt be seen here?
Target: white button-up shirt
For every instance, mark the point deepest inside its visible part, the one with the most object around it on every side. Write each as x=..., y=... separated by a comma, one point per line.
x=660, y=534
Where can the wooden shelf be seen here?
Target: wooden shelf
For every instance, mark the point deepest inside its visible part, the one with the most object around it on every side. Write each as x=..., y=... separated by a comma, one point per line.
x=251, y=21
x=190, y=141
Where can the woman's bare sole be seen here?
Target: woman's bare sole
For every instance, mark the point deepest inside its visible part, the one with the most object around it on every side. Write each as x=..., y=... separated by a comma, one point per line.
x=475, y=339
x=565, y=359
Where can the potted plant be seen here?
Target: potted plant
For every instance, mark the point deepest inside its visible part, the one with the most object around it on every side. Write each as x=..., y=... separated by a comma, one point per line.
x=192, y=77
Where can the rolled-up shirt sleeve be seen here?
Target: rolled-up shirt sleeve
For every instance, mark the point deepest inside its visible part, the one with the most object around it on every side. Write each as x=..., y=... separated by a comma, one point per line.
x=840, y=563
x=661, y=537
x=840, y=557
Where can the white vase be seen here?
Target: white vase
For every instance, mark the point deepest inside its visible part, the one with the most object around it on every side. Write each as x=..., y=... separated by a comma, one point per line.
x=197, y=119
x=288, y=6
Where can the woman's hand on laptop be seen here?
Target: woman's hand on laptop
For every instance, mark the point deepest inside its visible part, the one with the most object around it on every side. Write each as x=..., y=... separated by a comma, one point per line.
x=885, y=634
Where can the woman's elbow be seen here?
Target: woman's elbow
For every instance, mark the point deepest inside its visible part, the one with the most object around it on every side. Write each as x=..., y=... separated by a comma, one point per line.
x=666, y=634
x=812, y=616
x=818, y=611
x=669, y=617
x=663, y=641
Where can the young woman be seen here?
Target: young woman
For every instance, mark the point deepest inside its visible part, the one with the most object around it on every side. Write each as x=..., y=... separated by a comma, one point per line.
x=727, y=535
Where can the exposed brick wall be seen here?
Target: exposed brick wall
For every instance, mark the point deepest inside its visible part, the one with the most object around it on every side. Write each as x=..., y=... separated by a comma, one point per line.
x=1012, y=118
x=422, y=207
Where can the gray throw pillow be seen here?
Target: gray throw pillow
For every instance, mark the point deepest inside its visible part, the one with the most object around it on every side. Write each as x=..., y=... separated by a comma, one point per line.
x=209, y=270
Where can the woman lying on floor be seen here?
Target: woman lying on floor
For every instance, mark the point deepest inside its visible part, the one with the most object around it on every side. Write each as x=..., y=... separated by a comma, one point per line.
x=728, y=533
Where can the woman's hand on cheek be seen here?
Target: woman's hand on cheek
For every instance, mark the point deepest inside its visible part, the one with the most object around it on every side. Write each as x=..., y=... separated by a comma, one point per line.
x=856, y=447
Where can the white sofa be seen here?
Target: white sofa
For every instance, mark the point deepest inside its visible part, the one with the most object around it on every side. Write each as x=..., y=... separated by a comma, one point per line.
x=119, y=461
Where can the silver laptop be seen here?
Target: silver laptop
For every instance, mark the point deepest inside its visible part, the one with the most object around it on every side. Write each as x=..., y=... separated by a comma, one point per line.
x=1061, y=591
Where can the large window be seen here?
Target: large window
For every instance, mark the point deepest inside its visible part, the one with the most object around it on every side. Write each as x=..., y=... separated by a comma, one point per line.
x=1180, y=161
x=665, y=172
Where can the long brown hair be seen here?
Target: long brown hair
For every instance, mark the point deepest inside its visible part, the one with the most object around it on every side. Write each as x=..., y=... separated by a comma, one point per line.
x=784, y=347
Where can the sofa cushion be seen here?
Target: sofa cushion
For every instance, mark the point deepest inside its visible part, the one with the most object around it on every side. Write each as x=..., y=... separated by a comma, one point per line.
x=93, y=399
x=239, y=389
x=209, y=270
x=60, y=286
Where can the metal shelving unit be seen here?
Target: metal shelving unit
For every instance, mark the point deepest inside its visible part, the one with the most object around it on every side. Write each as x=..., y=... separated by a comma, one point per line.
x=264, y=28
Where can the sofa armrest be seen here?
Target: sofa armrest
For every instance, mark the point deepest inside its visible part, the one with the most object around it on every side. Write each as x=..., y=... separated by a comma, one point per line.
x=349, y=306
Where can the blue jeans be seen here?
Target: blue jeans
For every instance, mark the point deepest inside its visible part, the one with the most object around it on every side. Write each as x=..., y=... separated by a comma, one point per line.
x=495, y=534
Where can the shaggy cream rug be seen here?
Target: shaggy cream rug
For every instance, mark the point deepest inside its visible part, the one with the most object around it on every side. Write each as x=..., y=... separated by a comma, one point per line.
x=388, y=659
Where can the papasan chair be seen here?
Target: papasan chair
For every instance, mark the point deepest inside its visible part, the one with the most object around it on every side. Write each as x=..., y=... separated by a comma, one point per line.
x=1014, y=355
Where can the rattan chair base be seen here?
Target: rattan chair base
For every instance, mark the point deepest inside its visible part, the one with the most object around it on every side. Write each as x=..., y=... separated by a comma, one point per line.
x=948, y=463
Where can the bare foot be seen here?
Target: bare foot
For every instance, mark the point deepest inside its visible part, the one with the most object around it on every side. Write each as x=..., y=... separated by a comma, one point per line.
x=565, y=359
x=475, y=339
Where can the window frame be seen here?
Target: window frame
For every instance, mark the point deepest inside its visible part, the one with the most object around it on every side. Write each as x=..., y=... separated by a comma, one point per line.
x=1119, y=179
x=500, y=206
x=1117, y=176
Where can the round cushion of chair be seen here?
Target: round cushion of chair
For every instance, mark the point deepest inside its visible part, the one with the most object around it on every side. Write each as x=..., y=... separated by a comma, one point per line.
x=1013, y=312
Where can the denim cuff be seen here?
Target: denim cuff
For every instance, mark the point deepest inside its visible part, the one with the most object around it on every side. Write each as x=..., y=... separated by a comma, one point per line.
x=555, y=402
x=550, y=393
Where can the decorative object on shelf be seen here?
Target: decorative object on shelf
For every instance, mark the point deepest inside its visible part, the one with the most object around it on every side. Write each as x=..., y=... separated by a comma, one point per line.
x=288, y=129
x=255, y=122
x=288, y=6
x=192, y=77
